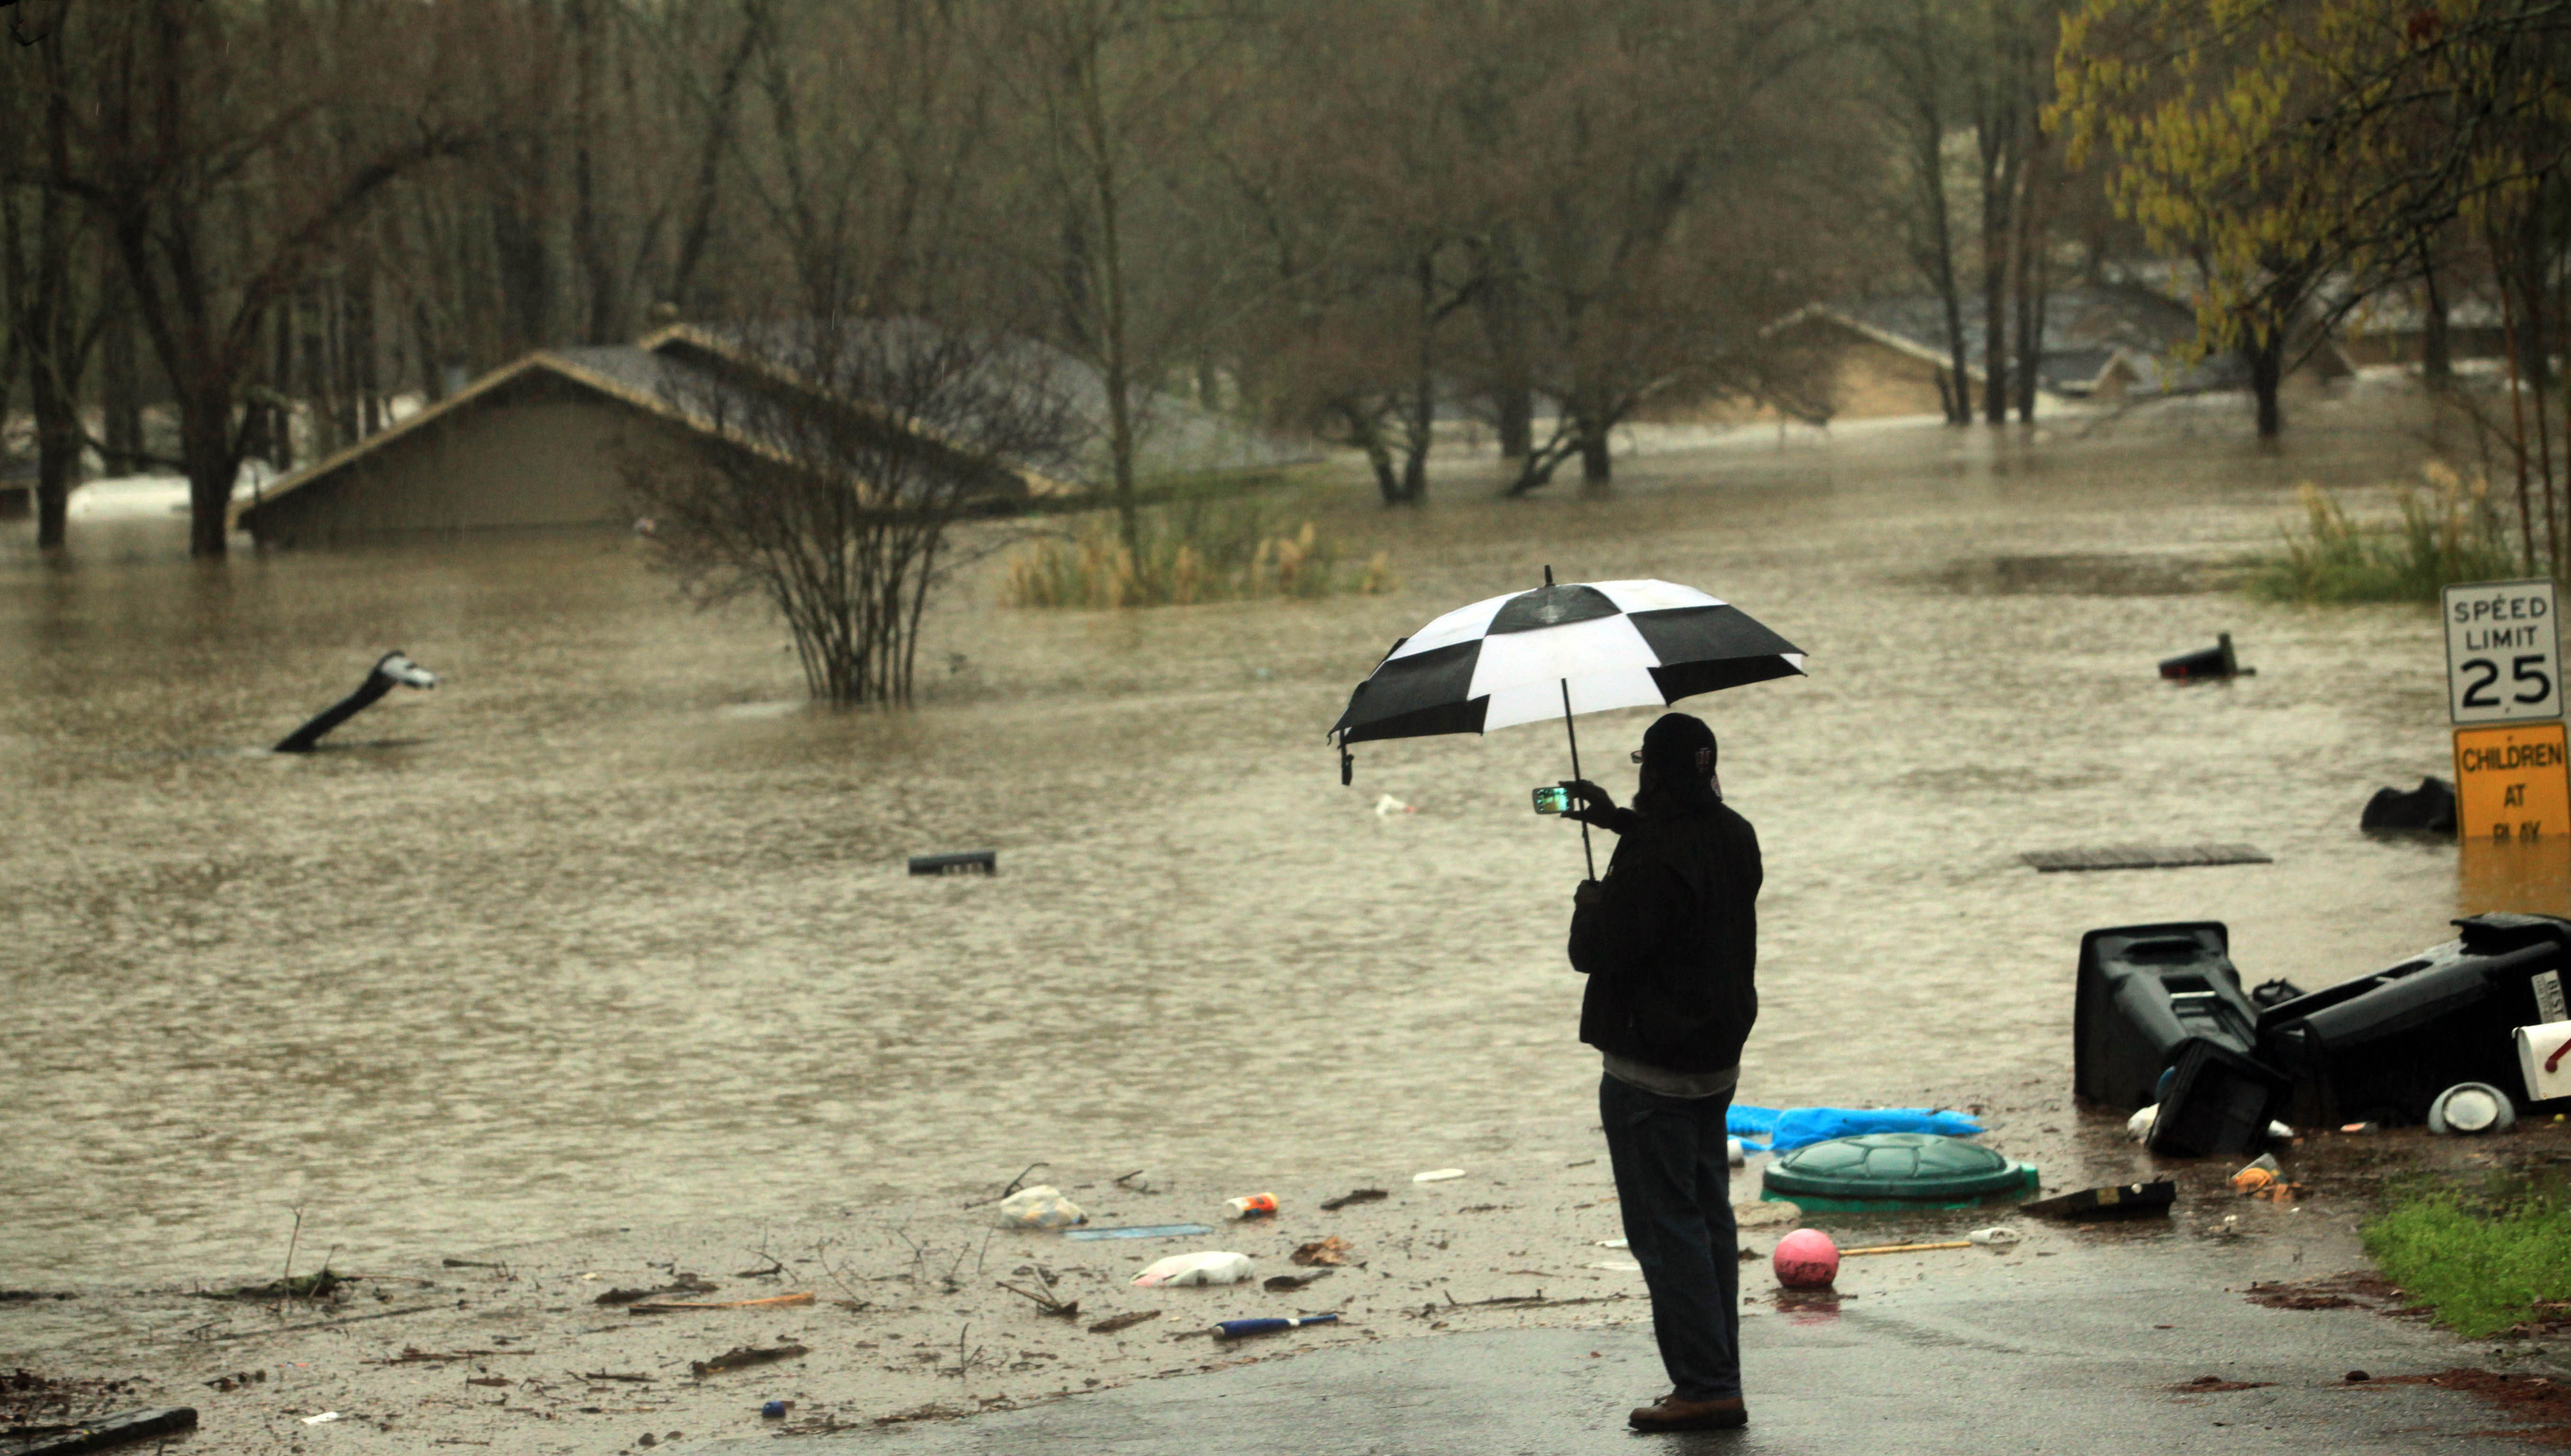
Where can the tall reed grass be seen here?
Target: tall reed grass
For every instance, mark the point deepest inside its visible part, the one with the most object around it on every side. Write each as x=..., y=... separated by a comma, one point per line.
x=1194, y=551
x=2452, y=532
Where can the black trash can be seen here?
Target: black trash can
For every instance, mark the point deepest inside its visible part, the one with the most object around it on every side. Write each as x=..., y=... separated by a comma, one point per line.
x=2218, y=1101
x=2380, y=1048
x=2144, y=992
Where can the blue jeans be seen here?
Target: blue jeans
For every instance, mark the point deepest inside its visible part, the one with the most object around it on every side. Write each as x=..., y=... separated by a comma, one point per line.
x=1674, y=1183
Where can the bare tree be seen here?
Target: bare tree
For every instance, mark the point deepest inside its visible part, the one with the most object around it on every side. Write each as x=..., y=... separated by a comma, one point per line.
x=54, y=319
x=1666, y=226
x=1367, y=198
x=1107, y=90
x=843, y=453
x=1915, y=50
x=181, y=134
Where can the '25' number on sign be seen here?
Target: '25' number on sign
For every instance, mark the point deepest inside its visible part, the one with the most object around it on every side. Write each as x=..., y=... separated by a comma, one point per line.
x=2534, y=686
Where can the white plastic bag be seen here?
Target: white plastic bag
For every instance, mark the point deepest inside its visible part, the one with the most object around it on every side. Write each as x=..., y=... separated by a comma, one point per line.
x=1041, y=1206
x=1195, y=1268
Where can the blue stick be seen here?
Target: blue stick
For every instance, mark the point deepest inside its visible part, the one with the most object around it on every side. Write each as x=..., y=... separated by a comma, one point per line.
x=1235, y=1328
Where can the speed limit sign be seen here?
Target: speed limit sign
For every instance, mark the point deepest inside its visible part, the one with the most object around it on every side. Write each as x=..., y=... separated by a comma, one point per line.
x=2503, y=655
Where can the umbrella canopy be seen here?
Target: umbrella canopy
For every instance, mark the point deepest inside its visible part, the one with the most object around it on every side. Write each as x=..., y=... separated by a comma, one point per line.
x=1560, y=648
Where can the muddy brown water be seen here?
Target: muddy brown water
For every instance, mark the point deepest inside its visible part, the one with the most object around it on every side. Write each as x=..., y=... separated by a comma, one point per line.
x=608, y=929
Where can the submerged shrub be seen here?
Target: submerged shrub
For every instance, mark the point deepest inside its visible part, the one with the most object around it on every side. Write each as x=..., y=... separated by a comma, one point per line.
x=1194, y=551
x=2452, y=533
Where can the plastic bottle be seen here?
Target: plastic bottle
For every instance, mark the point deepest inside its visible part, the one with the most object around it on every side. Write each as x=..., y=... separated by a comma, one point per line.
x=1211, y=1267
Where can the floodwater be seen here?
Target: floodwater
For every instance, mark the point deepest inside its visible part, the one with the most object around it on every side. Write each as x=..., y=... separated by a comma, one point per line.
x=607, y=929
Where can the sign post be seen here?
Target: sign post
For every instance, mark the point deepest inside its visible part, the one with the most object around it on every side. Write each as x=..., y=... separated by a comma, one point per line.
x=2504, y=694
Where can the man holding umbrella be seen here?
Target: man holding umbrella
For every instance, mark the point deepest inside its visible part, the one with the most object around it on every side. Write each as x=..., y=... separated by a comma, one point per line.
x=1670, y=940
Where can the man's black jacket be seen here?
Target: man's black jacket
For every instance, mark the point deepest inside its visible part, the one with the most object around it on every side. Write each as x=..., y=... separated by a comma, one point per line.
x=1671, y=944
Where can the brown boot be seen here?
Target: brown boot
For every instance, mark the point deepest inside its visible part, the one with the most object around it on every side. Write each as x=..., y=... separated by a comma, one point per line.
x=1668, y=1413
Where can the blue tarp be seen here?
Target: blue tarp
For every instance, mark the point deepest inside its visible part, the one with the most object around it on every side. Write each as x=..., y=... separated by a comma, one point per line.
x=1801, y=1127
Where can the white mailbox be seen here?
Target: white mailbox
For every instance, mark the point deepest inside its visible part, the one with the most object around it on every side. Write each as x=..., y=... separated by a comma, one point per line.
x=2544, y=1055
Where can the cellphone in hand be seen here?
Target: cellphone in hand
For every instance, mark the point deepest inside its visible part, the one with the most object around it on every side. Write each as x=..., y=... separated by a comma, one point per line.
x=1553, y=799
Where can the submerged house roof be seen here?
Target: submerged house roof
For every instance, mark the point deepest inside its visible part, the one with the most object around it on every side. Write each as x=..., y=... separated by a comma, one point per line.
x=2086, y=335
x=2114, y=336
x=718, y=384
x=1172, y=436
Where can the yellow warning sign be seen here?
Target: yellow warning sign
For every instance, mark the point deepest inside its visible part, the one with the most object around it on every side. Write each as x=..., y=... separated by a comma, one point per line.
x=2510, y=784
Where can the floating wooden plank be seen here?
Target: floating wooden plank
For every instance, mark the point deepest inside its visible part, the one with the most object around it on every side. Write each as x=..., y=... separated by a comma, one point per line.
x=2144, y=856
x=2114, y=1201
x=674, y=1307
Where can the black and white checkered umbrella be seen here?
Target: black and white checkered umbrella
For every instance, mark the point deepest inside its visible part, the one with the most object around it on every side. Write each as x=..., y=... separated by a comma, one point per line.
x=1561, y=649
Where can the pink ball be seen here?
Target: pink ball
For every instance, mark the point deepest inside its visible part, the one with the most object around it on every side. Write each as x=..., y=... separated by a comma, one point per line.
x=1806, y=1259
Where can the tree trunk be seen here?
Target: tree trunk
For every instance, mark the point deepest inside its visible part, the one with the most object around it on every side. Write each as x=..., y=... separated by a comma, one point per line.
x=121, y=401
x=54, y=381
x=2266, y=359
x=119, y=375
x=361, y=340
x=2437, y=346
x=1420, y=426
x=518, y=248
x=339, y=327
x=432, y=361
x=1999, y=168
x=55, y=400
x=45, y=313
x=1513, y=409
x=1597, y=466
x=1365, y=431
x=1504, y=333
x=2033, y=281
x=716, y=141
x=1920, y=93
x=280, y=390
x=2032, y=295
x=589, y=241
x=205, y=447
x=1106, y=188
x=311, y=322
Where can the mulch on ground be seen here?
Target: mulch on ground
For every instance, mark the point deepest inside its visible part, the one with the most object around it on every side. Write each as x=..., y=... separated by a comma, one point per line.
x=2545, y=1405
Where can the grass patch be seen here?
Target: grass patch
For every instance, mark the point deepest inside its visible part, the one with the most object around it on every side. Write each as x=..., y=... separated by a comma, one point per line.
x=1195, y=550
x=2484, y=1261
x=2452, y=532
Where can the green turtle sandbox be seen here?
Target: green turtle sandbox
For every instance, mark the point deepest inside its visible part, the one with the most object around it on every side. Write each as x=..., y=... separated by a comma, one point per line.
x=1892, y=1173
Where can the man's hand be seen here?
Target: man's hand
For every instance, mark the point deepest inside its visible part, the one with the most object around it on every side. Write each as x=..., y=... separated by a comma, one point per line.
x=1591, y=803
x=1587, y=894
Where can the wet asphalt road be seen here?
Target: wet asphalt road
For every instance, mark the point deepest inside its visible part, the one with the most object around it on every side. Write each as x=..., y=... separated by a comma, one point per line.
x=2056, y=1358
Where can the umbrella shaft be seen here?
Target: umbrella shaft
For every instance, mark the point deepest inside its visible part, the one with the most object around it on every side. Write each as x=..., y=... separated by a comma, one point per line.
x=1587, y=856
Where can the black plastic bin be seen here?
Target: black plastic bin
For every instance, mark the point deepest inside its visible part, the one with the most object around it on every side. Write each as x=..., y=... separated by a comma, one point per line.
x=2218, y=1101
x=2380, y=1048
x=2144, y=992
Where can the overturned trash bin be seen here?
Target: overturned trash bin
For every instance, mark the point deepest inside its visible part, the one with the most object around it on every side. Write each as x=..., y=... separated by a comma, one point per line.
x=2144, y=992
x=2218, y=1101
x=2218, y=661
x=1892, y=1172
x=2383, y=1047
